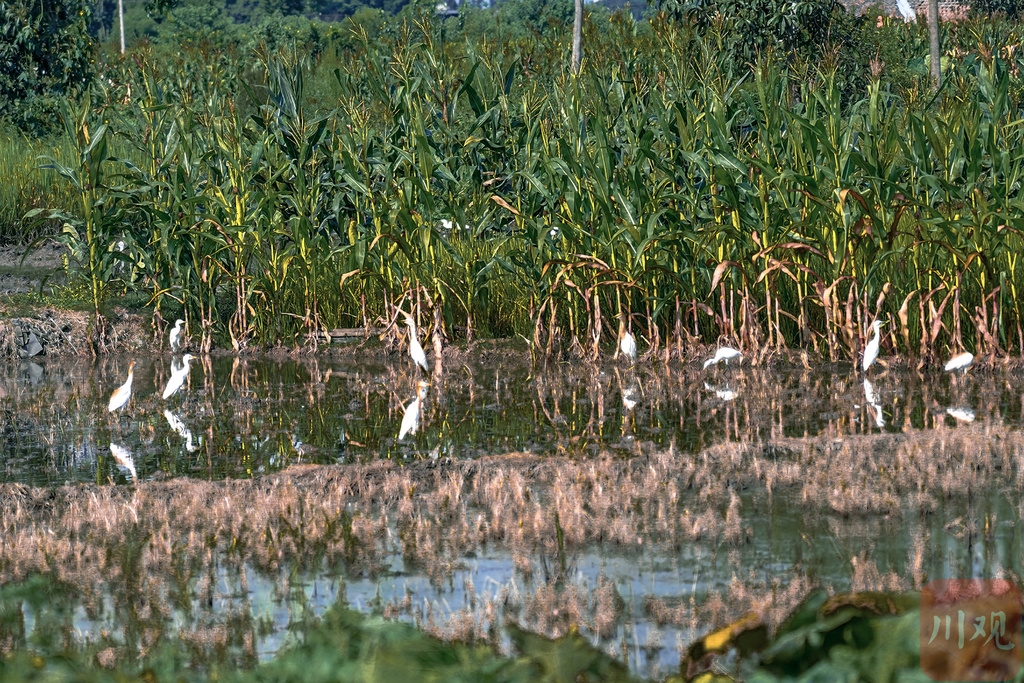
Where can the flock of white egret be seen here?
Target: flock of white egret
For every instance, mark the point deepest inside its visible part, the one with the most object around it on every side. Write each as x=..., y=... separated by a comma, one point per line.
x=960, y=362
x=120, y=397
x=627, y=346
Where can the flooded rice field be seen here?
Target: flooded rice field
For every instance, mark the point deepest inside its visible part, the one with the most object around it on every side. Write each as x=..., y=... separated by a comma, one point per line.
x=642, y=508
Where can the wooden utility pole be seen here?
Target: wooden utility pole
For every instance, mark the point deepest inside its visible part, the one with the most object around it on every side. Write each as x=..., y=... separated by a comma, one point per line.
x=120, y=16
x=577, y=38
x=934, y=47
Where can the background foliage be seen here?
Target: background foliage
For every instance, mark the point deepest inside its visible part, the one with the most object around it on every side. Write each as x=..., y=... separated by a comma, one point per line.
x=45, y=54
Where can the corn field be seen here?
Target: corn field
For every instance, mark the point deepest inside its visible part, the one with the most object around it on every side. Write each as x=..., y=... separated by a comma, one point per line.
x=489, y=192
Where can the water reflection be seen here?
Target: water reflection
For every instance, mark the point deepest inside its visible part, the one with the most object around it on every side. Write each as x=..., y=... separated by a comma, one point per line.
x=889, y=493
x=179, y=373
x=32, y=371
x=124, y=460
x=181, y=430
x=246, y=415
x=961, y=414
x=723, y=392
x=873, y=403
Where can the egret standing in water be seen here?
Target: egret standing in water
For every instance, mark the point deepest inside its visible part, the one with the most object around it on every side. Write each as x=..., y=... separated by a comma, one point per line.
x=178, y=376
x=124, y=392
x=726, y=353
x=961, y=361
x=411, y=419
x=175, y=338
x=871, y=350
x=415, y=350
x=627, y=343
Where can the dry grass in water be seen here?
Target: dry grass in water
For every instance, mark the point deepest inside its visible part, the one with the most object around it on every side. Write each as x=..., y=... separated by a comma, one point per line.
x=153, y=545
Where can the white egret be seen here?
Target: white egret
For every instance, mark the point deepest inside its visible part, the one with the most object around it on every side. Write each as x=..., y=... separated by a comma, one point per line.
x=726, y=353
x=906, y=11
x=301, y=448
x=415, y=350
x=175, y=337
x=871, y=350
x=627, y=343
x=178, y=376
x=960, y=361
x=411, y=419
x=123, y=458
x=124, y=392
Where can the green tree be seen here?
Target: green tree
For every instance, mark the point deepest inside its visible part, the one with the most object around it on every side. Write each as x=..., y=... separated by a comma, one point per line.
x=45, y=54
x=198, y=23
x=749, y=27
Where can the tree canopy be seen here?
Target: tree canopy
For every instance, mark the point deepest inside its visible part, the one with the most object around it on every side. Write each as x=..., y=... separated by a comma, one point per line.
x=46, y=53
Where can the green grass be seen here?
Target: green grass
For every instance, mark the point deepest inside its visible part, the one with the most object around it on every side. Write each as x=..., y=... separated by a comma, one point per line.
x=26, y=186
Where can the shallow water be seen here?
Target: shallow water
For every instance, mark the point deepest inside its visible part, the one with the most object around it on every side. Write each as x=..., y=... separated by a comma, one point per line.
x=258, y=415
x=245, y=417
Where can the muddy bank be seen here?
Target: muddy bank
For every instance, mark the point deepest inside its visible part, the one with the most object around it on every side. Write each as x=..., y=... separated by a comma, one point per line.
x=31, y=325
x=51, y=332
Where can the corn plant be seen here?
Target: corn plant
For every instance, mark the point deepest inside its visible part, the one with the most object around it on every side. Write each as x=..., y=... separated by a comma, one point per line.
x=484, y=188
x=92, y=228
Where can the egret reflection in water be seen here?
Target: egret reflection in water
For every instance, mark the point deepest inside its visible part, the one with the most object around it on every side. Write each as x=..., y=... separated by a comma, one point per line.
x=961, y=414
x=630, y=396
x=179, y=374
x=411, y=418
x=872, y=400
x=243, y=411
x=181, y=430
x=725, y=392
x=250, y=424
x=124, y=460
